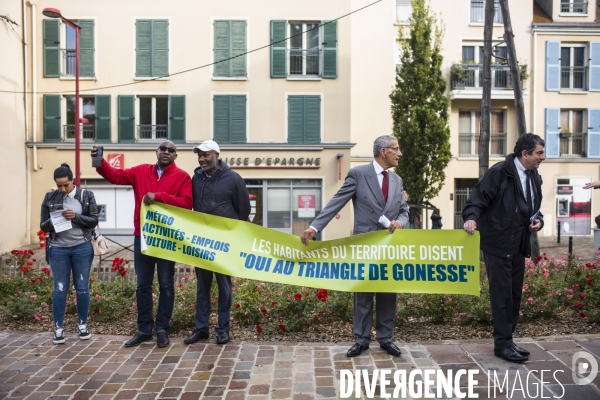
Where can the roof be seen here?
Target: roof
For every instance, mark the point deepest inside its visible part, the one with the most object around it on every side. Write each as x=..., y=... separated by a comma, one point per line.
x=541, y=18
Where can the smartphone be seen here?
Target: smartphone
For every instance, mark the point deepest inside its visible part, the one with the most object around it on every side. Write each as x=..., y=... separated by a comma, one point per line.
x=97, y=159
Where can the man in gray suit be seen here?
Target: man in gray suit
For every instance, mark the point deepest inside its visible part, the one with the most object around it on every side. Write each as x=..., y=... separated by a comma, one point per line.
x=378, y=201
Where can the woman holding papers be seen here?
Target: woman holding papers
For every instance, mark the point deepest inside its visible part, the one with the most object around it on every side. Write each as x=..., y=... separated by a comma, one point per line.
x=70, y=215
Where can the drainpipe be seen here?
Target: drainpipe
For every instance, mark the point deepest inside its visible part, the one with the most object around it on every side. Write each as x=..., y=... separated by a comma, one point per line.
x=25, y=98
x=34, y=80
x=533, y=83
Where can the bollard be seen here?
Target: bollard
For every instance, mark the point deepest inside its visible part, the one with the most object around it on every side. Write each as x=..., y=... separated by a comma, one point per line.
x=558, y=223
x=570, y=245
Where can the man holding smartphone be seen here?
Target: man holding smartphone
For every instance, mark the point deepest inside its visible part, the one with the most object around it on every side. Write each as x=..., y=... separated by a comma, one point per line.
x=165, y=183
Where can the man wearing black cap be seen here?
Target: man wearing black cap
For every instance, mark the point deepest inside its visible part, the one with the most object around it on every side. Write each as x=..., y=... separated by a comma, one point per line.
x=217, y=190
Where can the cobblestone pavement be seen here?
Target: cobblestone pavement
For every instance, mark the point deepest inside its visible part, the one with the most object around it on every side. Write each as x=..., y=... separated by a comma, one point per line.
x=31, y=367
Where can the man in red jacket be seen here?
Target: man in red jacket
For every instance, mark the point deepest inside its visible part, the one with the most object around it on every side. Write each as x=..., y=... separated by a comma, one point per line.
x=165, y=183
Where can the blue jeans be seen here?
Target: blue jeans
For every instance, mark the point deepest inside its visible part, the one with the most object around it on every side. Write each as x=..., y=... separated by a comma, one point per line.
x=63, y=260
x=144, y=268
x=203, y=301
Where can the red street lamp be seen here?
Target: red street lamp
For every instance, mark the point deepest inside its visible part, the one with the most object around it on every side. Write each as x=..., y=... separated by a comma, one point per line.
x=54, y=13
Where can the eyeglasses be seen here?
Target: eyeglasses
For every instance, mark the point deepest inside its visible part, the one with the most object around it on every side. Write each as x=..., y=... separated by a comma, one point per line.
x=169, y=149
x=396, y=149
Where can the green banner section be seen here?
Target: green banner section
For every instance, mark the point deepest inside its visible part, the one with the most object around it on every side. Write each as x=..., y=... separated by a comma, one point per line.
x=407, y=261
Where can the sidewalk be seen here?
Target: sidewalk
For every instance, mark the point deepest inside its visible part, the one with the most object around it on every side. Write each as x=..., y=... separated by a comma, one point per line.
x=31, y=367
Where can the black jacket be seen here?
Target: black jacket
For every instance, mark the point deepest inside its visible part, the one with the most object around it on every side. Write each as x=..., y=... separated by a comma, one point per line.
x=87, y=220
x=497, y=204
x=223, y=194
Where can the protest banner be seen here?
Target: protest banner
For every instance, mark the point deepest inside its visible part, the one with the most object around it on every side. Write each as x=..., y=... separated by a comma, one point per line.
x=407, y=261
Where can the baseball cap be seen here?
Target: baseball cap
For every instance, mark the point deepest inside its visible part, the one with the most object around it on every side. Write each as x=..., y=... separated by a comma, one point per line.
x=207, y=145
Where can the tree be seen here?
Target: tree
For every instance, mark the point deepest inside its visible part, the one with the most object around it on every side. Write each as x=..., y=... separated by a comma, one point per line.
x=420, y=107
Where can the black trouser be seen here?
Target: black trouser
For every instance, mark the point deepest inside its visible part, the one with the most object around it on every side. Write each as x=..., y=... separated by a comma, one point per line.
x=505, y=277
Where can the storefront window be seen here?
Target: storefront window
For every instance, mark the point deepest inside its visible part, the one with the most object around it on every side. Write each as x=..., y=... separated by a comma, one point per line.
x=288, y=206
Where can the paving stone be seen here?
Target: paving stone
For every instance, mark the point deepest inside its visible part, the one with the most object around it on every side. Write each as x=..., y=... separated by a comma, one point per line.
x=303, y=387
x=562, y=345
x=235, y=395
x=259, y=389
x=238, y=385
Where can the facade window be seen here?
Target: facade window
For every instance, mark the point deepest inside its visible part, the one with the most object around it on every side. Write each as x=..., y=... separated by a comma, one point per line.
x=59, y=118
x=285, y=205
x=157, y=118
x=303, y=49
x=469, y=129
x=572, y=133
x=478, y=11
x=573, y=71
x=229, y=43
x=572, y=66
x=154, y=118
x=151, y=48
x=574, y=6
x=403, y=11
x=87, y=107
x=59, y=60
x=469, y=74
x=304, y=119
x=229, y=118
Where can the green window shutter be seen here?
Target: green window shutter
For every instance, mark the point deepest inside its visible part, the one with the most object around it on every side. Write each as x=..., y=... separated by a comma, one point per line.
x=238, y=46
x=278, y=49
x=51, y=48
x=143, y=48
x=177, y=119
x=160, y=48
x=221, y=49
x=86, y=48
x=52, y=118
x=296, y=119
x=221, y=119
x=238, y=119
x=312, y=119
x=102, y=121
x=330, y=49
x=126, y=106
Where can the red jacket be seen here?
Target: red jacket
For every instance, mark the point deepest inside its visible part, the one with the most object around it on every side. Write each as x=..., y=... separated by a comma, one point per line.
x=174, y=187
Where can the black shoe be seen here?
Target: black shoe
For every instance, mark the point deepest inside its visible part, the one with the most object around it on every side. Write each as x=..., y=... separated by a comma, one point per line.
x=510, y=355
x=198, y=334
x=391, y=349
x=356, y=350
x=222, y=337
x=520, y=350
x=162, y=339
x=137, y=339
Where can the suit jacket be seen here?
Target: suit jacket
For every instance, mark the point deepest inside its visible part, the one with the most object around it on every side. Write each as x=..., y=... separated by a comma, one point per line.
x=362, y=187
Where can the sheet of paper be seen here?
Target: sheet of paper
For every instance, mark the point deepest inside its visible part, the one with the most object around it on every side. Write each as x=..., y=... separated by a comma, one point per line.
x=60, y=223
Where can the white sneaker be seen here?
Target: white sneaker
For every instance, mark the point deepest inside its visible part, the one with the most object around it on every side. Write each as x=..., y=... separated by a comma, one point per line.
x=84, y=334
x=58, y=338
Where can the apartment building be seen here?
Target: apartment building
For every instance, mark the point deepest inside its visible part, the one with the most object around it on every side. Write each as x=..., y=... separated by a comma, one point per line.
x=558, y=53
x=293, y=117
x=149, y=72
x=14, y=204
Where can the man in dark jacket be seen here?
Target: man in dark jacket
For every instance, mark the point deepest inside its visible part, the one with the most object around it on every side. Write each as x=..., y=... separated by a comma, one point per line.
x=504, y=206
x=217, y=190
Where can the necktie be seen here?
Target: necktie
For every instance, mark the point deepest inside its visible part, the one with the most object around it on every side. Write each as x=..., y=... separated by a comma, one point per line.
x=384, y=185
x=528, y=194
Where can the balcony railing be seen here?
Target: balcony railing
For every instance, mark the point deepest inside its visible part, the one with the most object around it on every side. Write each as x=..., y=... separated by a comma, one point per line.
x=470, y=76
x=478, y=11
x=573, y=78
x=87, y=132
x=68, y=62
x=153, y=132
x=575, y=7
x=305, y=61
x=468, y=144
x=403, y=11
x=573, y=144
